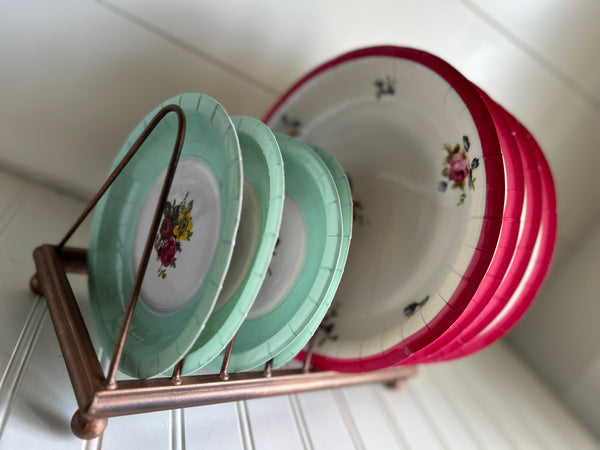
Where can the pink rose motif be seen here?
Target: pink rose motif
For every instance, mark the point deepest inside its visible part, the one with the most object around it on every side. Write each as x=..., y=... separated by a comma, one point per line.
x=459, y=168
x=168, y=252
x=166, y=228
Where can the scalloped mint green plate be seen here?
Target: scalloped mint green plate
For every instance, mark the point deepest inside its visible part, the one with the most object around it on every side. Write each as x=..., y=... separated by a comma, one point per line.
x=304, y=261
x=193, y=246
x=257, y=234
x=345, y=195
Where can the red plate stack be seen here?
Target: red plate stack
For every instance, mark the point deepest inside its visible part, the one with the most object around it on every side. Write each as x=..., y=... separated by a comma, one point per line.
x=454, y=207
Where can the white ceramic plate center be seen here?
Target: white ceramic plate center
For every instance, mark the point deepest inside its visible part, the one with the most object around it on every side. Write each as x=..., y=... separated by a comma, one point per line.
x=245, y=245
x=286, y=264
x=409, y=230
x=186, y=240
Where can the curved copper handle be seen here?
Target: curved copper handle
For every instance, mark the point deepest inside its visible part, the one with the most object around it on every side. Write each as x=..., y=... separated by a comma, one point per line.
x=116, y=358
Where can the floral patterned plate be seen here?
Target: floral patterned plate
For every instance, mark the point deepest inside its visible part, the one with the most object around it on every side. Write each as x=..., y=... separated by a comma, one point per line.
x=530, y=265
x=255, y=241
x=345, y=194
x=513, y=226
x=303, y=265
x=422, y=154
x=192, y=247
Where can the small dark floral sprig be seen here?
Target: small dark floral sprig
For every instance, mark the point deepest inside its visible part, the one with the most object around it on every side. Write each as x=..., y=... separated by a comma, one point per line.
x=358, y=215
x=385, y=87
x=412, y=308
x=292, y=126
x=327, y=325
x=176, y=226
x=269, y=271
x=457, y=170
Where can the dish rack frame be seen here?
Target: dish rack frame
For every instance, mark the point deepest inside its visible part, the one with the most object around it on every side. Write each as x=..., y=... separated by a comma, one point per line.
x=100, y=397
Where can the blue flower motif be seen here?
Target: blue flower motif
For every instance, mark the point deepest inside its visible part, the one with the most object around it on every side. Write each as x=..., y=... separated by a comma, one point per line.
x=475, y=163
x=442, y=186
x=466, y=143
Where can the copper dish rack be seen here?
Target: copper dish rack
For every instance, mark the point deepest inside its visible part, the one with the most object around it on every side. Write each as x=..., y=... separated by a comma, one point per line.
x=100, y=397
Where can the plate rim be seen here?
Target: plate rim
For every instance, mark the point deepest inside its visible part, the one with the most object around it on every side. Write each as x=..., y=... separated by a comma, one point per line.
x=150, y=365
x=246, y=293
x=263, y=351
x=494, y=206
x=342, y=184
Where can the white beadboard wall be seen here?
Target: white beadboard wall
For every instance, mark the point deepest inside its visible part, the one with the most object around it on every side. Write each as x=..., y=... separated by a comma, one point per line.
x=76, y=77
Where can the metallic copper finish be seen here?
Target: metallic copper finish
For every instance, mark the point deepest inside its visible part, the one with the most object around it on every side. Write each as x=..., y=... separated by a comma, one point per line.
x=35, y=285
x=113, y=176
x=73, y=259
x=308, y=356
x=96, y=401
x=138, y=396
x=116, y=358
x=99, y=399
x=75, y=343
x=268, y=369
x=395, y=384
x=85, y=429
x=176, y=377
x=224, y=375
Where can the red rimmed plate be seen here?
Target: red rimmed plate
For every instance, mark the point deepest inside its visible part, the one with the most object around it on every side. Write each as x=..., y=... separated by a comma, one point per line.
x=421, y=149
x=512, y=222
x=511, y=306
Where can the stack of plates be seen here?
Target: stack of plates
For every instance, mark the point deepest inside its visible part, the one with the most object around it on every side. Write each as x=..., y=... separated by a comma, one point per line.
x=454, y=207
x=245, y=247
x=449, y=200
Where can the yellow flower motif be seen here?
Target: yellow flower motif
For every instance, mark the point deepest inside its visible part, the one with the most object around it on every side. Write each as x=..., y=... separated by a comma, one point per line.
x=176, y=233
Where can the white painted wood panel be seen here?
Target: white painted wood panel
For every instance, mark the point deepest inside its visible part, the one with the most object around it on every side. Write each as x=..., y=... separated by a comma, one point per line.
x=214, y=426
x=326, y=426
x=562, y=35
x=273, y=424
x=474, y=414
x=376, y=426
x=454, y=429
x=80, y=78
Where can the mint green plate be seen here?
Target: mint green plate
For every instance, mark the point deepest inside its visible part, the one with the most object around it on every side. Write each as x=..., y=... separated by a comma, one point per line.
x=192, y=248
x=259, y=226
x=345, y=194
x=303, y=265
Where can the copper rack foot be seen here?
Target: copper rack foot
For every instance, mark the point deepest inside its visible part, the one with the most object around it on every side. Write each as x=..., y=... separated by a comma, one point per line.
x=87, y=429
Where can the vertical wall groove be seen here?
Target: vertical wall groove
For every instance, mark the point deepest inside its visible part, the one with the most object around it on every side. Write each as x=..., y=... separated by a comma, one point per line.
x=300, y=422
x=177, y=429
x=17, y=365
x=244, y=425
x=430, y=423
x=390, y=419
x=349, y=422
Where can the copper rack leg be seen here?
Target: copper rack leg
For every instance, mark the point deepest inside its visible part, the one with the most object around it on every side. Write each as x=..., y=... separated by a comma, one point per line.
x=268, y=372
x=224, y=375
x=75, y=343
x=308, y=355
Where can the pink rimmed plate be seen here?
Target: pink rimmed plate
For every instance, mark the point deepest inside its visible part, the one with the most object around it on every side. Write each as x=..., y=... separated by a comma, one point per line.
x=509, y=234
x=421, y=150
x=514, y=301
